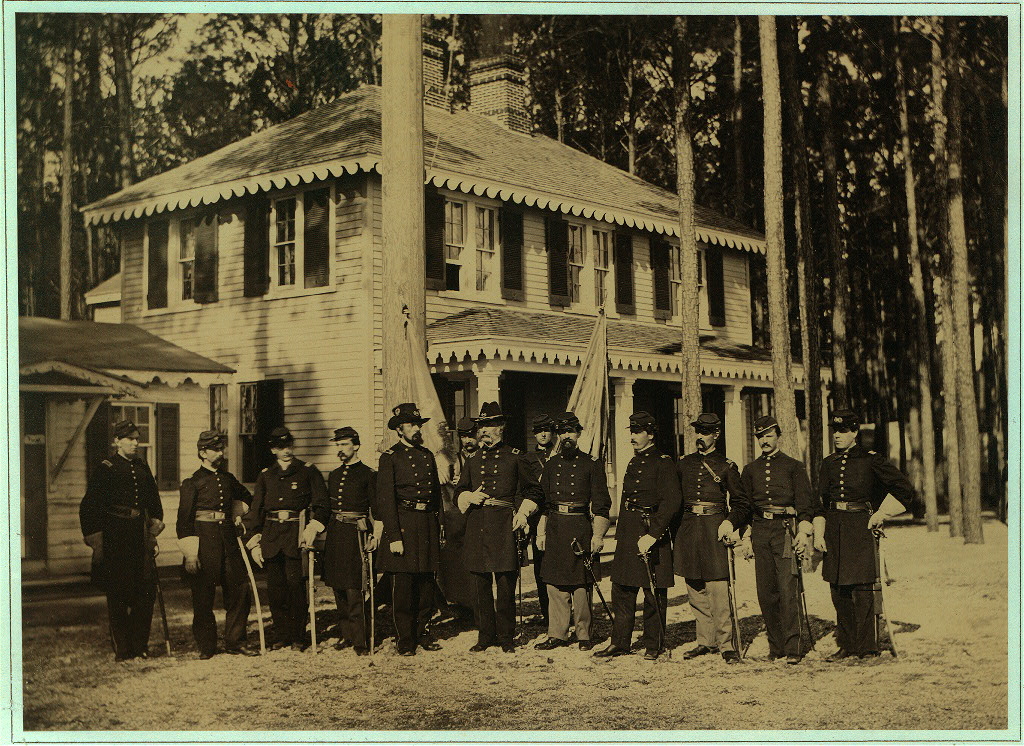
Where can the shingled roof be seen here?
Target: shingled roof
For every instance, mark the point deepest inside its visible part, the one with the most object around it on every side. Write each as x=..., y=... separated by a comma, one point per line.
x=462, y=151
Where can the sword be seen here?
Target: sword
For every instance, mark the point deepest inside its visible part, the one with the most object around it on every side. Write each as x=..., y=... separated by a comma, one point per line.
x=879, y=599
x=312, y=602
x=733, y=610
x=159, y=590
x=367, y=559
x=255, y=594
x=521, y=542
x=373, y=603
x=657, y=605
x=588, y=562
x=802, y=610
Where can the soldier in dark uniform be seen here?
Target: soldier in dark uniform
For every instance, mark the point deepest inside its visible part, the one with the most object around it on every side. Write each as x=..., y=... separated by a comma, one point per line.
x=282, y=492
x=210, y=499
x=775, y=498
x=345, y=511
x=121, y=516
x=650, y=499
x=497, y=491
x=544, y=434
x=706, y=475
x=854, y=483
x=409, y=498
x=574, y=487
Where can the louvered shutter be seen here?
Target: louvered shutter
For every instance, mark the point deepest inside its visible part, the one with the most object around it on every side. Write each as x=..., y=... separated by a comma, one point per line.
x=660, y=272
x=433, y=206
x=256, y=247
x=97, y=438
x=624, y=297
x=511, y=221
x=316, y=238
x=156, y=296
x=167, y=446
x=205, y=288
x=556, y=237
x=716, y=285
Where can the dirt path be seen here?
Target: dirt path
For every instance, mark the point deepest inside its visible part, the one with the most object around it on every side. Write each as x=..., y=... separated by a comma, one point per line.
x=949, y=602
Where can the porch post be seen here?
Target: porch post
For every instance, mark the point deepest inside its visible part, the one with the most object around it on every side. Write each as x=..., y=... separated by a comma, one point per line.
x=734, y=434
x=826, y=440
x=622, y=390
x=488, y=386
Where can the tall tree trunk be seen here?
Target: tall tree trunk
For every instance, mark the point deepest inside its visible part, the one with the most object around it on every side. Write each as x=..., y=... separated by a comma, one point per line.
x=778, y=305
x=960, y=281
x=924, y=369
x=67, y=176
x=944, y=317
x=120, y=42
x=690, y=342
x=840, y=271
x=806, y=271
x=739, y=197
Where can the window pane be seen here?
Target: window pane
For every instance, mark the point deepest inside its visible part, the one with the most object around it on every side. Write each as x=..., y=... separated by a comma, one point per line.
x=286, y=264
x=485, y=228
x=247, y=409
x=453, y=224
x=285, y=209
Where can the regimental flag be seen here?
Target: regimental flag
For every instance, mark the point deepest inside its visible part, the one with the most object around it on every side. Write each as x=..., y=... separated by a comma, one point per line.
x=589, y=400
x=436, y=434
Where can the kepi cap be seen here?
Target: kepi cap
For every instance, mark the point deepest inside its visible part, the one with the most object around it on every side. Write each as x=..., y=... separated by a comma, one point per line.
x=707, y=420
x=567, y=421
x=764, y=424
x=280, y=437
x=543, y=423
x=344, y=433
x=641, y=421
x=211, y=439
x=125, y=429
x=844, y=417
x=466, y=426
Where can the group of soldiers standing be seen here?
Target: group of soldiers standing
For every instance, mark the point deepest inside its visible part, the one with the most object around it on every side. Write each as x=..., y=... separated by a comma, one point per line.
x=468, y=530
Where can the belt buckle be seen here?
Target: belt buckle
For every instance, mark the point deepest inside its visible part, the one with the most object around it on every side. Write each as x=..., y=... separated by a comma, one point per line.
x=563, y=508
x=768, y=516
x=421, y=506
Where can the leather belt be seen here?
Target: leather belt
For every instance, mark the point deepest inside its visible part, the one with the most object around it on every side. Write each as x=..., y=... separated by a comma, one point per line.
x=633, y=505
x=705, y=508
x=349, y=516
x=422, y=507
x=568, y=508
x=211, y=516
x=283, y=516
x=775, y=513
x=496, y=502
x=860, y=506
x=123, y=511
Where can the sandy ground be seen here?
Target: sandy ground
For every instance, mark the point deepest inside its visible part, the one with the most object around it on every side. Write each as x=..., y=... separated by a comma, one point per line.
x=948, y=604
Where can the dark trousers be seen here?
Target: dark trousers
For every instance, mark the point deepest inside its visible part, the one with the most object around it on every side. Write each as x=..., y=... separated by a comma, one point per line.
x=287, y=594
x=624, y=609
x=495, y=614
x=542, y=588
x=412, y=605
x=856, y=630
x=355, y=616
x=778, y=590
x=235, y=590
x=130, y=610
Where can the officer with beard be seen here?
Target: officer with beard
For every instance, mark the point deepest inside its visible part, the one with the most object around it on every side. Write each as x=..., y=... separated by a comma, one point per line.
x=409, y=498
x=210, y=499
x=575, y=488
x=706, y=476
x=497, y=491
x=544, y=434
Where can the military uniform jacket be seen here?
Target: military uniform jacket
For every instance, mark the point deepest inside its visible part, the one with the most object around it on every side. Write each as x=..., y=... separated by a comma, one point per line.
x=775, y=481
x=706, y=479
x=120, y=485
x=409, y=473
x=209, y=490
x=650, y=481
x=855, y=475
x=536, y=459
x=576, y=479
x=294, y=488
x=351, y=488
x=504, y=474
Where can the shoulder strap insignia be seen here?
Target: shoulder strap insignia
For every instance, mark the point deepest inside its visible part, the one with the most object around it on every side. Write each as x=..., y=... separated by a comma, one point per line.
x=730, y=462
x=665, y=455
x=516, y=451
x=873, y=453
x=265, y=468
x=390, y=451
x=595, y=459
x=107, y=462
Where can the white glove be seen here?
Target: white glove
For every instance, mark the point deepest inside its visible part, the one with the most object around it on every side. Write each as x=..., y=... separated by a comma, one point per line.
x=371, y=543
x=819, y=533
x=877, y=520
x=397, y=548
x=257, y=555
x=596, y=544
x=541, y=541
x=519, y=521
x=190, y=551
x=464, y=502
x=309, y=533
x=725, y=532
x=644, y=543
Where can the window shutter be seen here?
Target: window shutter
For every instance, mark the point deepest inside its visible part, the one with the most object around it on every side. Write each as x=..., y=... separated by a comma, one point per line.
x=157, y=280
x=167, y=446
x=316, y=238
x=556, y=237
x=624, y=302
x=205, y=290
x=716, y=285
x=511, y=219
x=433, y=206
x=662, y=285
x=97, y=438
x=256, y=248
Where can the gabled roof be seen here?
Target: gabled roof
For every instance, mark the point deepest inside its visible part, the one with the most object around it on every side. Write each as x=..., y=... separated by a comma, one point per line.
x=462, y=151
x=104, y=347
x=108, y=291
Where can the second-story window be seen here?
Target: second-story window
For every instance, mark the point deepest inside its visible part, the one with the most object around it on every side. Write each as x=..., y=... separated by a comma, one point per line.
x=602, y=263
x=576, y=258
x=187, y=257
x=454, y=242
x=284, y=241
x=485, y=245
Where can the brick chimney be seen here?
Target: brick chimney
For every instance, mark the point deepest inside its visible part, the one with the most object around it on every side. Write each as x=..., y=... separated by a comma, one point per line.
x=434, y=49
x=497, y=90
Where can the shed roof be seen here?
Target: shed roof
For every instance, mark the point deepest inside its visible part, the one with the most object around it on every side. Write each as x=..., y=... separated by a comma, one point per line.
x=98, y=346
x=462, y=151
